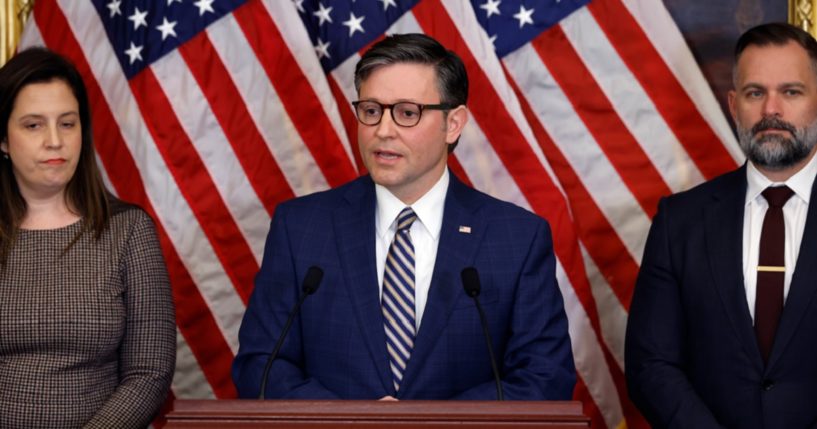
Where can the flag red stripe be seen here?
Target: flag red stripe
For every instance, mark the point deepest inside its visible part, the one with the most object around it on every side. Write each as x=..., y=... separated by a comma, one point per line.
x=598, y=235
x=589, y=407
x=192, y=315
x=669, y=97
x=599, y=116
x=195, y=184
x=349, y=121
x=297, y=95
x=248, y=145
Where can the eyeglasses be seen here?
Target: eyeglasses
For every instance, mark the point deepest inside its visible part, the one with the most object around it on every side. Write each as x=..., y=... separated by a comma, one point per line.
x=404, y=113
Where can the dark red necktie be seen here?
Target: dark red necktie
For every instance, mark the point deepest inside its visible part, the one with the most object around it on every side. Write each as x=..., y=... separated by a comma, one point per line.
x=771, y=269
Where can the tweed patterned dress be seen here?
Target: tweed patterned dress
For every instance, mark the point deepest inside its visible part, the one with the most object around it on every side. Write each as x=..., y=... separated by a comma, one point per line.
x=88, y=337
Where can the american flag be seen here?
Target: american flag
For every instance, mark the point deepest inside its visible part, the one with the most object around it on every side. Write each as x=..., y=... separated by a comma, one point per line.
x=208, y=113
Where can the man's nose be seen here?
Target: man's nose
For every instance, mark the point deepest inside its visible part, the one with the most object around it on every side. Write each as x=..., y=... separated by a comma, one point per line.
x=773, y=105
x=386, y=126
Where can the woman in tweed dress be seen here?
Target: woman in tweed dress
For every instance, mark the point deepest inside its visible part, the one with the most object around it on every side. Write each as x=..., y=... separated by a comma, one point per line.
x=87, y=325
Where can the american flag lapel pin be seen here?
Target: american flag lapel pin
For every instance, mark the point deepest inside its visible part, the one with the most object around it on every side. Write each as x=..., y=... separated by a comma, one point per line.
x=465, y=229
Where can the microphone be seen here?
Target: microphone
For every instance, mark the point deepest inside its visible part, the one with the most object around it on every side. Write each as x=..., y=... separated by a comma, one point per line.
x=471, y=284
x=313, y=278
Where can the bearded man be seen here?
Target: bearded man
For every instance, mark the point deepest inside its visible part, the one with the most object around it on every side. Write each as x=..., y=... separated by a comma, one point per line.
x=723, y=321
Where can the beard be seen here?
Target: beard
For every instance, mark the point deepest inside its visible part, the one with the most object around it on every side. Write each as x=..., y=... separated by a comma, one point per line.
x=777, y=152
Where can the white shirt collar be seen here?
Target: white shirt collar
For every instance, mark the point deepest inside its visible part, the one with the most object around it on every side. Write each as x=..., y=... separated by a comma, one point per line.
x=429, y=208
x=801, y=182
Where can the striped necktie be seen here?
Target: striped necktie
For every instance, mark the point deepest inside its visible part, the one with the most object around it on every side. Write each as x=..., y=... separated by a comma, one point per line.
x=398, y=297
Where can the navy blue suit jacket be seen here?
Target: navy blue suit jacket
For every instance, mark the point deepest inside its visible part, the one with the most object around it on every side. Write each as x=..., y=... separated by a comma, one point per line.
x=337, y=345
x=692, y=359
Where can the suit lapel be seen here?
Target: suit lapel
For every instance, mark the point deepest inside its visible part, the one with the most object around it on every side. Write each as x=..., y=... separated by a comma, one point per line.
x=803, y=284
x=723, y=223
x=455, y=251
x=355, y=226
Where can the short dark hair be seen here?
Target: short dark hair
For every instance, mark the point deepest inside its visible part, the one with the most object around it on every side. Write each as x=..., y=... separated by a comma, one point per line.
x=776, y=33
x=85, y=191
x=452, y=79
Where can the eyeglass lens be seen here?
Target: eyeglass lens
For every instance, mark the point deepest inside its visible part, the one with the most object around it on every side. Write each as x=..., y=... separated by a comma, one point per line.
x=405, y=114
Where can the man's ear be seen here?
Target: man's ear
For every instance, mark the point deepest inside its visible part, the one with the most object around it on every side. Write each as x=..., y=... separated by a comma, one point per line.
x=455, y=122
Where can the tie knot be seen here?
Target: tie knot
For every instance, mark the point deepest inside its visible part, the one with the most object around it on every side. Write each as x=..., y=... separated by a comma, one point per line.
x=405, y=219
x=777, y=196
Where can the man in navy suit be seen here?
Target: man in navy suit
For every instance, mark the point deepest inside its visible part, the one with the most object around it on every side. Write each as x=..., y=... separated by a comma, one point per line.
x=718, y=336
x=357, y=337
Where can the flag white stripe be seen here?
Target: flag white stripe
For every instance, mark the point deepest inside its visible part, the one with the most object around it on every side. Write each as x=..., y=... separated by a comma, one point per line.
x=484, y=167
x=406, y=24
x=344, y=76
x=31, y=35
x=105, y=179
x=612, y=315
x=188, y=380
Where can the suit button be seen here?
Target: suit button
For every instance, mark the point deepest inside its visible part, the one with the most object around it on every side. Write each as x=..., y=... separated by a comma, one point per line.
x=767, y=385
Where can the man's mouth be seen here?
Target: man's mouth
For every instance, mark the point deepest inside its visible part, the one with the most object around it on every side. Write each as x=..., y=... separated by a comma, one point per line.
x=387, y=155
x=773, y=124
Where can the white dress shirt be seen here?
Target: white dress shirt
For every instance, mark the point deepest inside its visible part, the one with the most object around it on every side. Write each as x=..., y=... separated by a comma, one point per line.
x=425, y=236
x=794, y=215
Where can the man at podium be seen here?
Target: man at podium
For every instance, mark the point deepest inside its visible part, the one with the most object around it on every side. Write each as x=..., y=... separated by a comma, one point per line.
x=391, y=318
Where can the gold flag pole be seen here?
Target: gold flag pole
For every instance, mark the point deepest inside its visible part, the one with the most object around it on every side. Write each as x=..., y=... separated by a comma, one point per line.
x=803, y=13
x=13, y=15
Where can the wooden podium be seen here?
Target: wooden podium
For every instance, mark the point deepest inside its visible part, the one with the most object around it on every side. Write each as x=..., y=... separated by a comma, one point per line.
x=373, y=414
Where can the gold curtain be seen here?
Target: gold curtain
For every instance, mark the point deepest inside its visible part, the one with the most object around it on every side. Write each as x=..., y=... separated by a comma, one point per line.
x=803, y=13
x=13, y=14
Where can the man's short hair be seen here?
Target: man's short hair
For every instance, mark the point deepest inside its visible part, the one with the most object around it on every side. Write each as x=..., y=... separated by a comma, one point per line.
x=778, y=34
x=452, y=79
